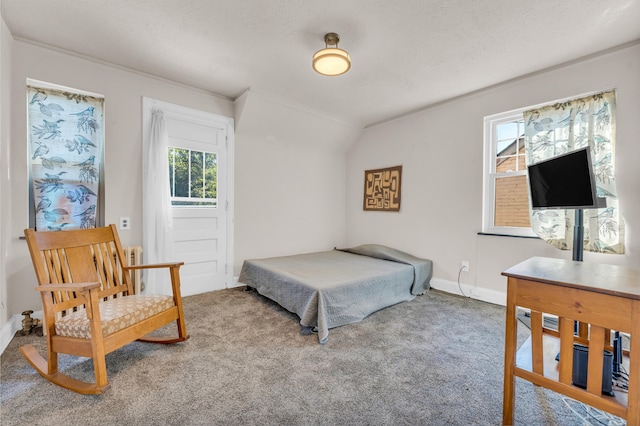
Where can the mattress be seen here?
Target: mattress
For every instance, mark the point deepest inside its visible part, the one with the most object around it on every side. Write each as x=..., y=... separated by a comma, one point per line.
x=338, y=287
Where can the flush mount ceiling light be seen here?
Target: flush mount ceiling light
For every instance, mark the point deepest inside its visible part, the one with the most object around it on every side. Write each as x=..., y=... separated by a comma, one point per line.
x=331, y=60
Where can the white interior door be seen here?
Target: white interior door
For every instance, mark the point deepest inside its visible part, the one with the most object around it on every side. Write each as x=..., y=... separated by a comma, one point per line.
x=201, y=233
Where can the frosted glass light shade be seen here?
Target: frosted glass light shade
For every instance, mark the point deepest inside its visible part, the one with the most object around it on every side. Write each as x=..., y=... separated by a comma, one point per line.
x=331, y=61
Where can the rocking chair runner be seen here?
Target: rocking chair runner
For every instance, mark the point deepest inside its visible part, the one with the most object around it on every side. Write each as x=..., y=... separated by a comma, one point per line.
x=88, y=302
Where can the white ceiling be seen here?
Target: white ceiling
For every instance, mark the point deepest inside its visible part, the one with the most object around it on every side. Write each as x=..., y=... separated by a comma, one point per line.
x=406, y=54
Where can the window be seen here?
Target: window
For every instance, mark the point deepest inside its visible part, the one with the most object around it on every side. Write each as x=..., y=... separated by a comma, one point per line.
x=66, y=144
x=506, y=194
x=539, y=132
x=193, y=177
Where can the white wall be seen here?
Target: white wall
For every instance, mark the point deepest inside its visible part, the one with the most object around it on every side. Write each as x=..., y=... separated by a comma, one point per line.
x=6, y=42
x=441, y=150
x=123, y=91
x=290, y=178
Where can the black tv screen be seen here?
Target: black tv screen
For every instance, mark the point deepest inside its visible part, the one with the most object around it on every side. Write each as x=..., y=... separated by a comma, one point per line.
x=564, y=182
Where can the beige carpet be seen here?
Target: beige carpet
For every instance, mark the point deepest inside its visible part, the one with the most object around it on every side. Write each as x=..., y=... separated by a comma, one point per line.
x=436, y=360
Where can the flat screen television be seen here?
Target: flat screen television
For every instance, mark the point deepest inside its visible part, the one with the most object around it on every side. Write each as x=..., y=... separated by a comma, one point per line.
x=565, y=181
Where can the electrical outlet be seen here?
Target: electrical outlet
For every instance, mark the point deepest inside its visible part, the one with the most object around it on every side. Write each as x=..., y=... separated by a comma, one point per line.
x=125, y=223
x=464, y=265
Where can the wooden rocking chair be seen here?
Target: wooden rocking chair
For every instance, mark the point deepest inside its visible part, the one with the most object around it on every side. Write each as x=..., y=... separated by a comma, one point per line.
x=88, y=302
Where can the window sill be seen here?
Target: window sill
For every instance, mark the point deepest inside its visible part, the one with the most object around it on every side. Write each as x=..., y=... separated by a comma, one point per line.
x=508, y=235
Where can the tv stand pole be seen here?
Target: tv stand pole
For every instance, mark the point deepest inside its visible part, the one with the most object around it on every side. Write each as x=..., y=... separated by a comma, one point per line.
x=578, y=235
x=578, y=250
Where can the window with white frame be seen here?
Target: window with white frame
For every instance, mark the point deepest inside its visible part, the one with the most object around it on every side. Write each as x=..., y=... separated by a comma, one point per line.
x=66, y=149
x=193, y=177
x=506, y=195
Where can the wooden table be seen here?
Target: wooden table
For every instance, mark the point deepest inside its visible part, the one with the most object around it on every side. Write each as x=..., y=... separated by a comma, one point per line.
x=601, y=298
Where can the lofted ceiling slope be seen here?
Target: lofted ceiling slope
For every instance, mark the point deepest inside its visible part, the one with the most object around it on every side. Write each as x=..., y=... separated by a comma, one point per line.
x=407, y=54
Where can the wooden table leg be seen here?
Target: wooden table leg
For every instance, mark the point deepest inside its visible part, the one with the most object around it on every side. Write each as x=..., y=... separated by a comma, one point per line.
x=633, y=406
x=509, y=354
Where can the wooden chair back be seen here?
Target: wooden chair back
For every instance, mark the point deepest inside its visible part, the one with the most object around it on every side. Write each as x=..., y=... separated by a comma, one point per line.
x=78, y=256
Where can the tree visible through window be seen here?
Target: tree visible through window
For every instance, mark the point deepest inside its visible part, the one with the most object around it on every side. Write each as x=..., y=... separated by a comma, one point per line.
x=193, y=177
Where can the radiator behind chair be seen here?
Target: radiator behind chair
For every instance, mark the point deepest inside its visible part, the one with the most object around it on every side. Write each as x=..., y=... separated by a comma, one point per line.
x=133, y=256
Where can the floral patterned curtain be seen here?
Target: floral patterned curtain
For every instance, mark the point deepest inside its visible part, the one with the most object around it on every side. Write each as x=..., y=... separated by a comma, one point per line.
x=66, y=137
x=565, y=126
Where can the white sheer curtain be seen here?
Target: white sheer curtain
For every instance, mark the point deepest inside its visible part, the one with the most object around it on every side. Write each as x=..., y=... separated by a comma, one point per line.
x=156, y=206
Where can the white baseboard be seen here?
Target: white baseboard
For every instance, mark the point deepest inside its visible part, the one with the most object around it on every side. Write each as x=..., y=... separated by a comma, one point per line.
x=11, y=327
x=235, y=283
x=473, y=292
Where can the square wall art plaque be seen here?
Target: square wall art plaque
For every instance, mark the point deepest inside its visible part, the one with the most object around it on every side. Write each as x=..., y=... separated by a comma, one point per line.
x=382, y=189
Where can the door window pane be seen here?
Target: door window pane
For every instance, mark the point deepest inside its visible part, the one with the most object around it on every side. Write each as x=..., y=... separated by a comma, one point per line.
x=192, y=177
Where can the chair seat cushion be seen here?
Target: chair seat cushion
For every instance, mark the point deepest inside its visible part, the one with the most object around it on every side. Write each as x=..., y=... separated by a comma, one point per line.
x=115, y=315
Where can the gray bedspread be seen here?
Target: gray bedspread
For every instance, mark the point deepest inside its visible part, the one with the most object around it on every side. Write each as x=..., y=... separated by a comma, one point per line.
x=338, y=287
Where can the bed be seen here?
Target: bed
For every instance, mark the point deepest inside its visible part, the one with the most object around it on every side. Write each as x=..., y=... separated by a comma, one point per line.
x=338, y=287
